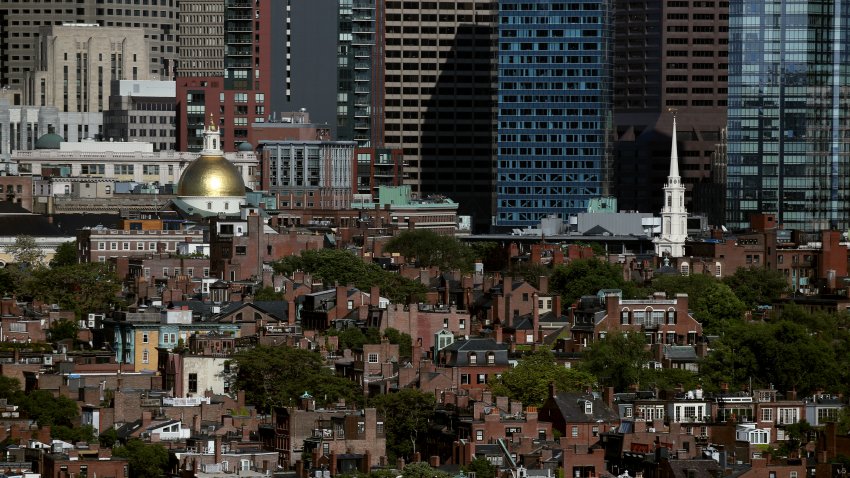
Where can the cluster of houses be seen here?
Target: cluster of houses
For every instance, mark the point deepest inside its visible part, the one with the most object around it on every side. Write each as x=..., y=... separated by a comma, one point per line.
x=155, y=371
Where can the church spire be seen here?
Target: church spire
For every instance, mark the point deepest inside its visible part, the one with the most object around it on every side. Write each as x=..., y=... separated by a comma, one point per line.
x=674, y=153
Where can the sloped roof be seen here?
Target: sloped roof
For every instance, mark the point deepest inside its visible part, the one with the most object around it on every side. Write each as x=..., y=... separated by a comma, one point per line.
x=680, y=352
x=476, y=344
x=571, y=406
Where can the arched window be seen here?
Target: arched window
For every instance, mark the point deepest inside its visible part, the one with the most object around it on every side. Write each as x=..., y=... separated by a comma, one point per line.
x=473, y=358
x=685, y=269
x=209, y=205
x=624, y=317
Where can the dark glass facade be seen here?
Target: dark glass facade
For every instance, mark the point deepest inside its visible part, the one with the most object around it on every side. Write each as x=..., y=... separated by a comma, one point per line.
x=355, y=74
x=554, y=106
x=788, y=112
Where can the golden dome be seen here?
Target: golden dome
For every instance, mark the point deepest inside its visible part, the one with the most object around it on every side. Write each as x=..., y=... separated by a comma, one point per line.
x=211, y=176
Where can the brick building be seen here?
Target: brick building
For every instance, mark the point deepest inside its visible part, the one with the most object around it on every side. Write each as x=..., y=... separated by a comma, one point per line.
x=310, y=433
x=580, y=418
x=662, y=320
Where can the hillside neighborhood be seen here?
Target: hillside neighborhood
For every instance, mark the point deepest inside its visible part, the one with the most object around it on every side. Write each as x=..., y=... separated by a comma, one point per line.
x=204, y=356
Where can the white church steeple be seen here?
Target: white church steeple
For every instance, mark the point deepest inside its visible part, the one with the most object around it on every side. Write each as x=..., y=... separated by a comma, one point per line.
x=674, y=217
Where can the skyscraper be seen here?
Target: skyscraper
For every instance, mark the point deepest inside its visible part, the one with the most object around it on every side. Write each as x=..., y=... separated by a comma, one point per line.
x=789, y=113
x=439, y=96
x=668, y=54
x=238, y=99
x=20, y=22
x=555, y=99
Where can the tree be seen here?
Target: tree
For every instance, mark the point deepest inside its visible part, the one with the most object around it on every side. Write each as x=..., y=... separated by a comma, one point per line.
x=529, y=381
x=335, y=266
x=712, y=301
x=9, y=387
x=146, y=461
x=587, y=277
x=619, y=360
x=784, y=354
x=268, y=294
x=10, y=281
x=403, y=340
x=66, y=255
x=63, y=329
x=276, y=376
x=108, y=438
x=757, y=286
x=422, y=470
x=83, y=288
x=26, y=251
x=47, y=410
x=406, y=413
x=428, y=249
x=481, y=467
x=73, y=434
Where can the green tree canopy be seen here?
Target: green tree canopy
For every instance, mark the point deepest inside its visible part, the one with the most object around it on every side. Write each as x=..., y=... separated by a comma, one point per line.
x=422, y=470
x=9, y=387
x=587, y=277
x=481, y=467
x=83, y=288
x=66, y=255
x=146, y=460
x=276, y=376
x=783, y=354
x=619, y=360
x=711, y=301
x=63, y=329
x=757, y=285
x=26, y=251
x=529, y=381
x=268, y=293
x=47, y=410
x=335, y=266
x=406, y=414
x=83, y=433
x=403, y=340
x=429, y=249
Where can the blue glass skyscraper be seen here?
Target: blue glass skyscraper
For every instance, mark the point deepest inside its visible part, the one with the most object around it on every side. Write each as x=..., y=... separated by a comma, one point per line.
x=554, y=107
x=788, y=150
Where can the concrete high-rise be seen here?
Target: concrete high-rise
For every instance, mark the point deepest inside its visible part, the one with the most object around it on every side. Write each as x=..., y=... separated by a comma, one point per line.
x=789, y=113
x=668, y=54
x=202, y=38
x=20, y=22
x=439, y=97
x=75, y=64
x=554, y=144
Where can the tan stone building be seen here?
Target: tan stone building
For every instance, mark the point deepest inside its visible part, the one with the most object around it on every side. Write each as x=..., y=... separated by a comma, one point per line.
x=74, y=65
x=202, y=37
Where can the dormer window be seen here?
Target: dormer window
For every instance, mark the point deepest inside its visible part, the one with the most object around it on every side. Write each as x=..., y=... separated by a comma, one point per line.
x=473, y=359
x=588, y=407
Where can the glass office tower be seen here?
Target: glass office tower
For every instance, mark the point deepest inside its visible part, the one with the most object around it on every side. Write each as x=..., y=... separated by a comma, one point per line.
x=788, y=112
x=554, y=106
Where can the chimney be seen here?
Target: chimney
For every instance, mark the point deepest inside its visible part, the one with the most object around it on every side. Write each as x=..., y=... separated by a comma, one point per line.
x=196, y=423
x=146, y=418
x=341, y=301
x=291, y=313
x=498, y=332
x=374, y=296
x=217, y=442
x=507, y=285
x=543, y=284
x=556, y=305
x=535, y=318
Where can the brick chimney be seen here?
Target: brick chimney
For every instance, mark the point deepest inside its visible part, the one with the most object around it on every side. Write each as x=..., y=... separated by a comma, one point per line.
x=543, y=284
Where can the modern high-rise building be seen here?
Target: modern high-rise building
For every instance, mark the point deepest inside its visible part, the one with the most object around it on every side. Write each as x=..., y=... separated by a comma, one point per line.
x=76, y=63
x=555, y=98
x=20, y=22
x=239, y=98
x=202, y=38
x=789, y=113
x=439, y=97
x=668, y=54
x=307, y=49
x=358, y=70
